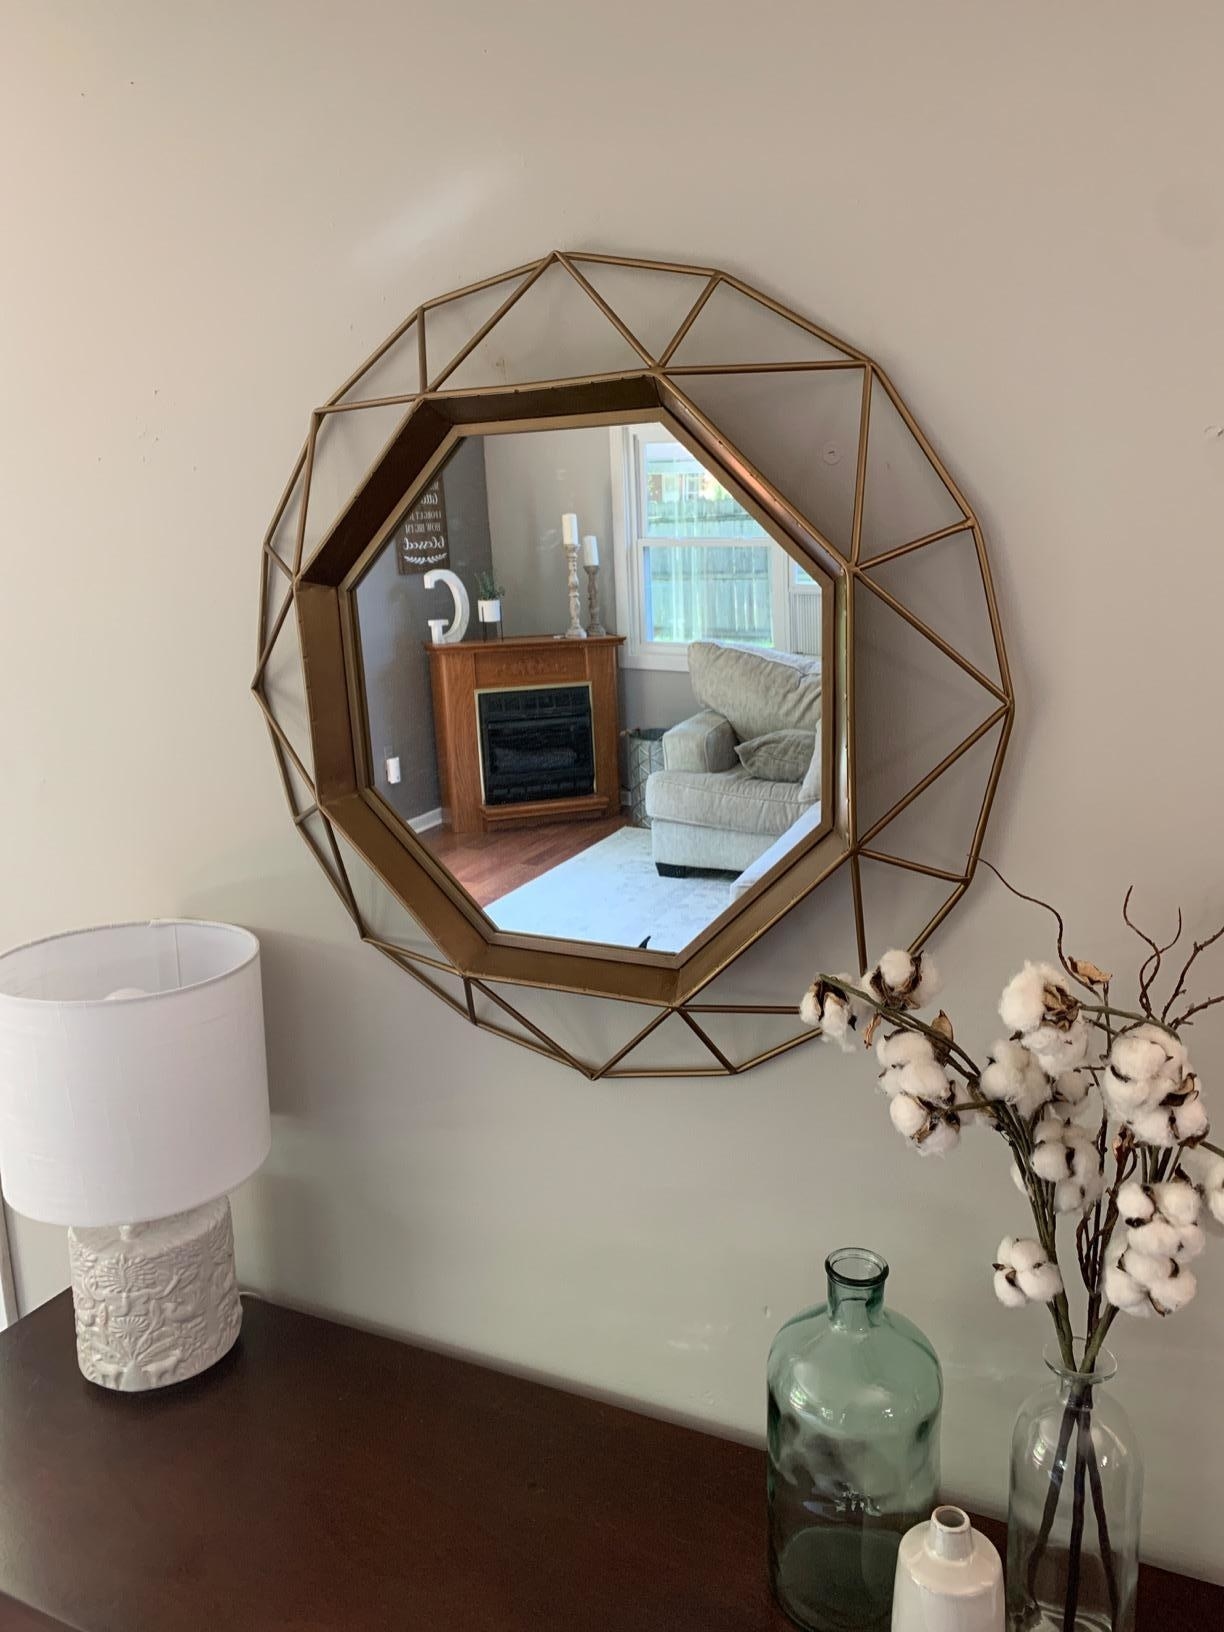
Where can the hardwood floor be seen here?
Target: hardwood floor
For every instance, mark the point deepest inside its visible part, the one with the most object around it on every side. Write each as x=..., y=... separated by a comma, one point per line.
x=490, y=865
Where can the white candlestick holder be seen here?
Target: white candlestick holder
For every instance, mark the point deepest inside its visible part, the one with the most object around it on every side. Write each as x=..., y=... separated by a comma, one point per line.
x=594, y=625
x=575, y=630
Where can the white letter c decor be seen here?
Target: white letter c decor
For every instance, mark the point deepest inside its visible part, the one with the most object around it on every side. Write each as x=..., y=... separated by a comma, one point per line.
x=462, y=607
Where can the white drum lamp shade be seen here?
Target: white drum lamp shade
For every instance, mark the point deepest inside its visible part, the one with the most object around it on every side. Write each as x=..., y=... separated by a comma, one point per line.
x=133, y=1089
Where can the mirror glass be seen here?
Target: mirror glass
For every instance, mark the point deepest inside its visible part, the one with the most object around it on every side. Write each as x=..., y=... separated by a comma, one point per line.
x=592, y=683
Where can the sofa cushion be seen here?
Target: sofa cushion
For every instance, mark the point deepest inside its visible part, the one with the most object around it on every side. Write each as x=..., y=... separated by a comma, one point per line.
x=758, y=692
x=728, y=799
x=778, y=756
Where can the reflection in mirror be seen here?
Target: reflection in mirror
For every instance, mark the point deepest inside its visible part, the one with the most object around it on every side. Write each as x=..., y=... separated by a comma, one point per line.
x=631, y=729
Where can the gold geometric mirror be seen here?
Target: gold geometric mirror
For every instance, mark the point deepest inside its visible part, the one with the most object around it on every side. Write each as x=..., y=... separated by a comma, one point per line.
x=613, y=616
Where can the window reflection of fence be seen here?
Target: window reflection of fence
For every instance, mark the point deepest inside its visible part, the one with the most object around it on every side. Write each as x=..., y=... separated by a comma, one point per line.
x=708, y=592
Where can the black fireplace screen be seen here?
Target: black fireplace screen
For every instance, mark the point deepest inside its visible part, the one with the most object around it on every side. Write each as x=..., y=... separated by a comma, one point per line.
x=536, y=743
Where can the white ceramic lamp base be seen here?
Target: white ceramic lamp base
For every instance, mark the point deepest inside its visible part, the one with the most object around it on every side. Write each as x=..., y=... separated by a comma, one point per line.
x=155, y=1303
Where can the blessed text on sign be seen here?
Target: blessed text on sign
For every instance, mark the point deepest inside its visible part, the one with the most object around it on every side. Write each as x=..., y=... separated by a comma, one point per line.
x=420, y=543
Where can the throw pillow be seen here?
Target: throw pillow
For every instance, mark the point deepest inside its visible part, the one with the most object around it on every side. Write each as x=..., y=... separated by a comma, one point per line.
x=809, y=790
x=778, y=756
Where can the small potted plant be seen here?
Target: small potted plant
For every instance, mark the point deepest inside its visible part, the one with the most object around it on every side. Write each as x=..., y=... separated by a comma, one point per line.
x=488, y=605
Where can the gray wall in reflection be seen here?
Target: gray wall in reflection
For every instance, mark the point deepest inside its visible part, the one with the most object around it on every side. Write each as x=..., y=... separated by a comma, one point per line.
x=394, y=612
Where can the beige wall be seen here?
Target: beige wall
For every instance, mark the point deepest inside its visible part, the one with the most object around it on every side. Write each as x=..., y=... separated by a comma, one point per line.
x=211, y=212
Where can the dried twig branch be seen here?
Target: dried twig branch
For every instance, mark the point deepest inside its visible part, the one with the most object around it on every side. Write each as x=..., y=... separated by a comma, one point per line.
x=1183, y=1019
x=1036, y=901
x=1199, y=946
x=1151, y=963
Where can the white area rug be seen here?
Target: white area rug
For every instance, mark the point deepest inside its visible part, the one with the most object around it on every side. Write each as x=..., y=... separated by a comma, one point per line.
x=612, y=893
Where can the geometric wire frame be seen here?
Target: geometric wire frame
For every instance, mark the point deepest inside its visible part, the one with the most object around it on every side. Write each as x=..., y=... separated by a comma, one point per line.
x=681, y=334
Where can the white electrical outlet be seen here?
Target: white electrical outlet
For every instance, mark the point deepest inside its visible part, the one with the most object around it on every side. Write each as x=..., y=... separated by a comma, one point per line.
x=393, y=768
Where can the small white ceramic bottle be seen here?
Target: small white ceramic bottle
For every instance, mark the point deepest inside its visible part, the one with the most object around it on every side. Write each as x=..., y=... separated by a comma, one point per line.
x=949, y=1578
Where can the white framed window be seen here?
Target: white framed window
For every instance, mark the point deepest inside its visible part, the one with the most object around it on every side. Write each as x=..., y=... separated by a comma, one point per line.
x=691, y=562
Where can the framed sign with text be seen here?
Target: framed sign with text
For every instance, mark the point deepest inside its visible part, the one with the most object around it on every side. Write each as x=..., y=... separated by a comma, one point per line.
x=421, y=540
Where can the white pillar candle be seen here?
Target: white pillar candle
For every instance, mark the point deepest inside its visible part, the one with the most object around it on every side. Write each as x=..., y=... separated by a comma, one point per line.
x=569, y=529
x=590, y=551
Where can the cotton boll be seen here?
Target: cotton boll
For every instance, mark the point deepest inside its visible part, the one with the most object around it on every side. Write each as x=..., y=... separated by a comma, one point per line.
x=1019, y=1181
x=1175, y=1061
x=1051, y=1162
x=1127, y=1096
x=1190, y=1120
x=908, y=1116
x=1005, y=1251
x=1058, y=1049
x=1027, y=1254
x=1066, y=1109
x=1023, y=1004
x=1006, y=1065
x=1155, y=1127
x=898, y=1048
x=1085, y=1163
x=1173, y=1292
x=1070, y=1196
x=1122, y=1290
x=1042, y=1284
x=1013, y=1075
x=1147, y=1051
x=1171, y=1124
x=924, y=1080
x=1176, y=1199
x=1072, y=1088
x=1147, y=1271
x=930, y=982
x=1035, y=1090
x=835, y=1019
x=1205, y=1169
x=943, y=1136
x=836, y=1015
x=895, y=969
x=1145, y=1065
x=904, y=979
x=1051, y=1130
x=1158, y=1238
x=1190, y=1242
x=1135, y=1203
x=1007, y=1292
x=1079, y=1192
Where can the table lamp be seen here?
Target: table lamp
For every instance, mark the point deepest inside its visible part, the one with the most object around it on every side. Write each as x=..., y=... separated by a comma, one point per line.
x=133, y=1097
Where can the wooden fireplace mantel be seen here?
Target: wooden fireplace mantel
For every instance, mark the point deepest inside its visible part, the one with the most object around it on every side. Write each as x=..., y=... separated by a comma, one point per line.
x=460, y=670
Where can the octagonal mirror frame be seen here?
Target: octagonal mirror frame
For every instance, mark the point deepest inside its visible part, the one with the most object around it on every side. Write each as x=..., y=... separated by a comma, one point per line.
x=332, y=795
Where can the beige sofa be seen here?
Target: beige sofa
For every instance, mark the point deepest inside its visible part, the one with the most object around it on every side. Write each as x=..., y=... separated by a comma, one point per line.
x=706, y=809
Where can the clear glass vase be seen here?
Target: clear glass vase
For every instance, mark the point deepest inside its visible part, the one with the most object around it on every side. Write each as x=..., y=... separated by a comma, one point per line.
x=855, y=1393
x=1074, y=1504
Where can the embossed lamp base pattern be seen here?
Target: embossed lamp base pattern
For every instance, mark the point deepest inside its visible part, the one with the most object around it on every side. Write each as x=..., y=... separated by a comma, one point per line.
x=155, y=1303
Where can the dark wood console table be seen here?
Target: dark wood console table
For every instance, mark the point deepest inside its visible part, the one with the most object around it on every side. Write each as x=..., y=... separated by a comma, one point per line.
x=323, y=1478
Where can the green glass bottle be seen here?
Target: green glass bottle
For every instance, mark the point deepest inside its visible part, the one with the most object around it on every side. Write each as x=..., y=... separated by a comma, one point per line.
x=854, y=1400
